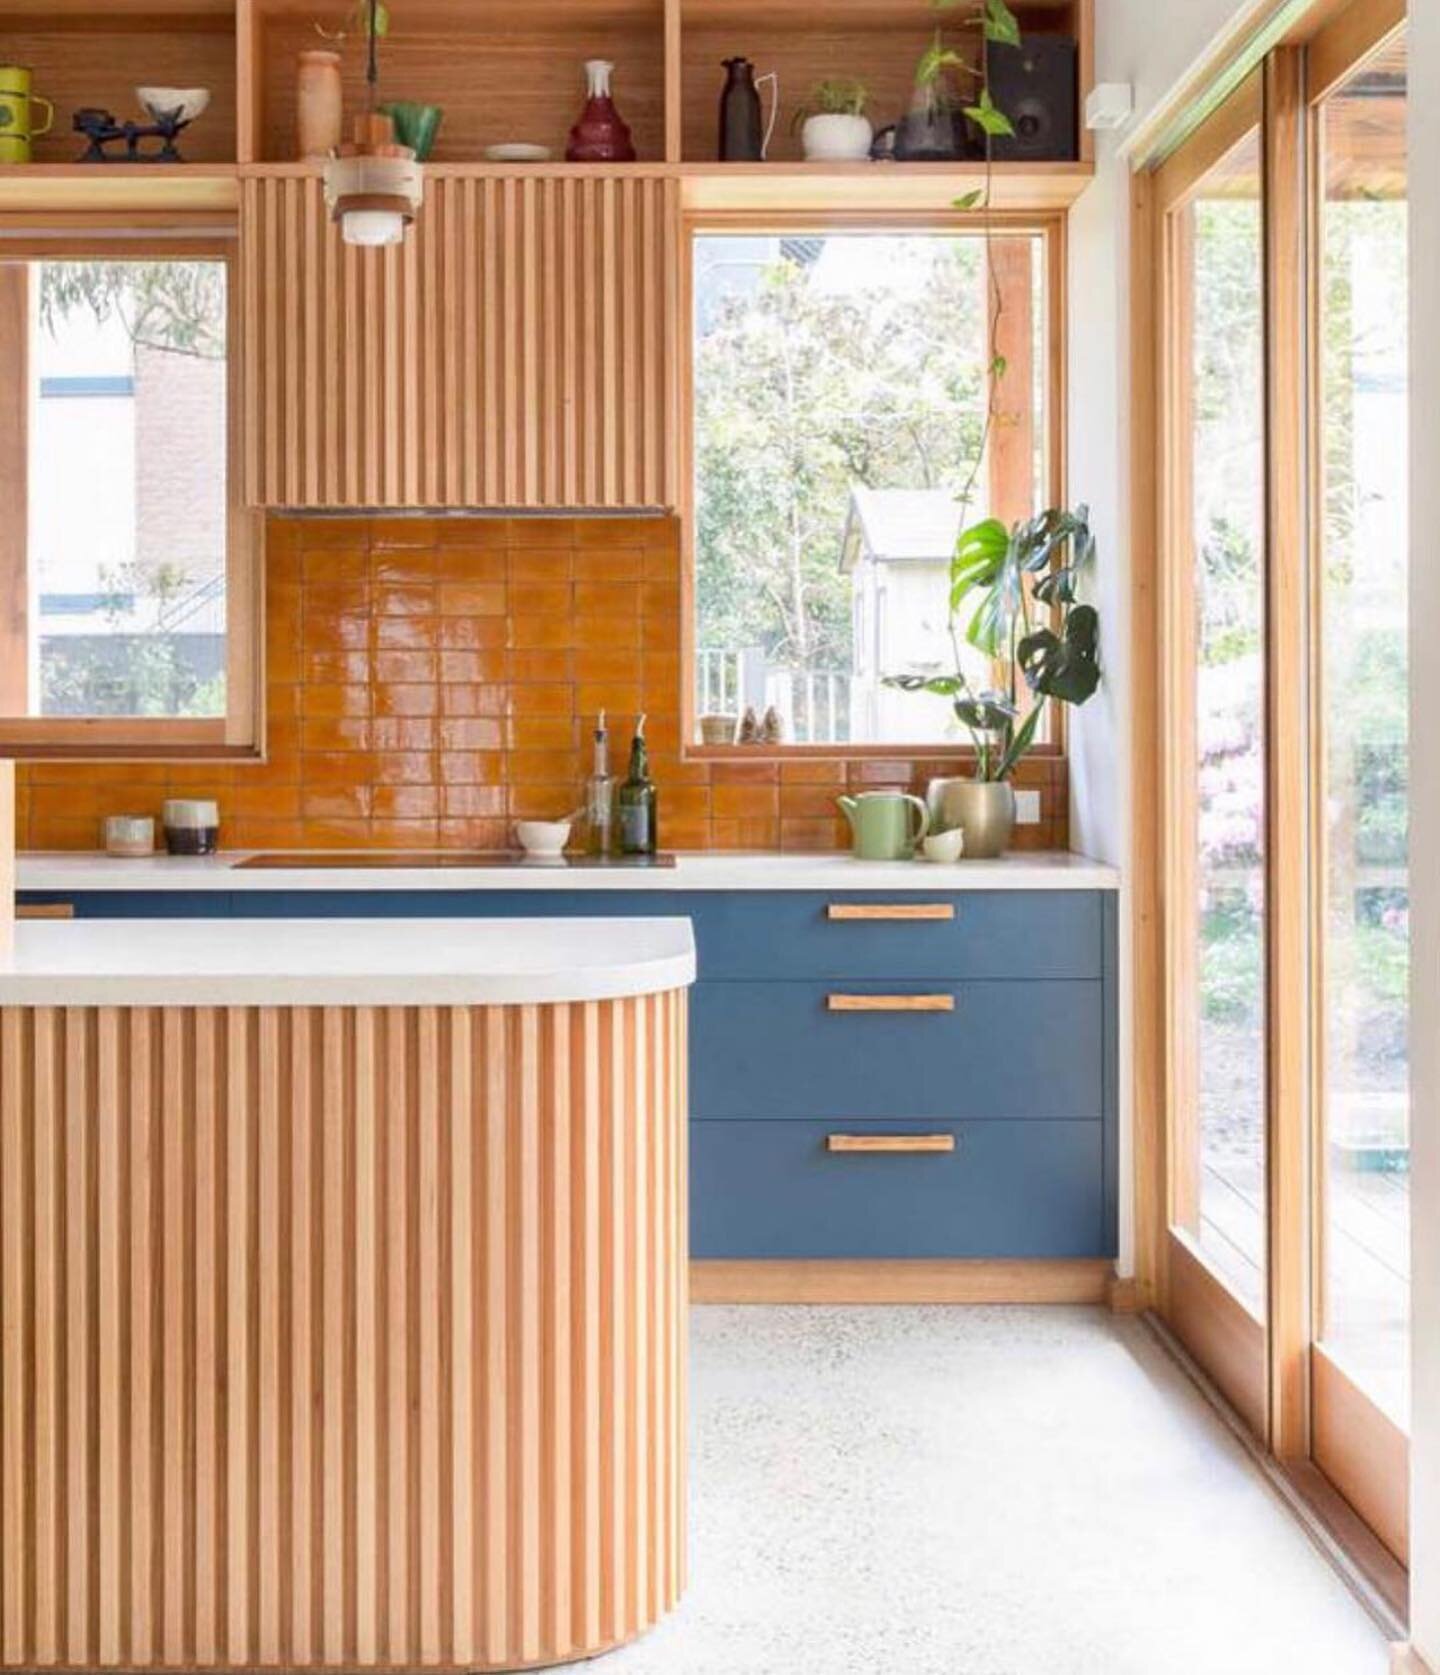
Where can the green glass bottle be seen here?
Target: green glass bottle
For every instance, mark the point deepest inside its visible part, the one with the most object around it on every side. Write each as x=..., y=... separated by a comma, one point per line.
x=636, y=810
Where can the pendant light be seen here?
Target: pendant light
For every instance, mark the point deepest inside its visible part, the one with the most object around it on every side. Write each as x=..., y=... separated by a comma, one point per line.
x=373, y=186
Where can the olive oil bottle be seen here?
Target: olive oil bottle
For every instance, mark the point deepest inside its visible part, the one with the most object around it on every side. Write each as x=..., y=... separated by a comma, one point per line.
x=600, y=795
x=636, y=802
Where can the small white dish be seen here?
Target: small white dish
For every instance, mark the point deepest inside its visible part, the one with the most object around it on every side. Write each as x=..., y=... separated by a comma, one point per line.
x=161, y=101
x=545, y=839
x=944, y=848
x=515, y=151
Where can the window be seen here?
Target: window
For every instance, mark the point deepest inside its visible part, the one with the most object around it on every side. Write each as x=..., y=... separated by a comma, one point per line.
x=1274, y=804
x=122, y=562
x=844, y=433
x=1364, y=754
x=1216, y=285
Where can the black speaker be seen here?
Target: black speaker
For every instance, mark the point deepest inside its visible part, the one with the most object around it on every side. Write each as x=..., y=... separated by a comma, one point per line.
x=1035, y=85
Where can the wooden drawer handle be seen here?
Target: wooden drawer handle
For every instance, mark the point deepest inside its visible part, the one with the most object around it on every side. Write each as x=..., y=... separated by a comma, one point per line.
x=890, y=1003
x=45, y=910
x=907, y=911
x=890, y=1142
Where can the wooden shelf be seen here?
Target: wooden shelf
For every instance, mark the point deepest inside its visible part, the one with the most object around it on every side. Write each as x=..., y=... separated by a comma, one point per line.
x=836, y=187
x=106, y=187
x=794, y=188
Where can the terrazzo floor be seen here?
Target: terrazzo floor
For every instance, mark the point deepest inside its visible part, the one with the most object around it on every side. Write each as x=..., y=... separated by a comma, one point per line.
x=980, y=1491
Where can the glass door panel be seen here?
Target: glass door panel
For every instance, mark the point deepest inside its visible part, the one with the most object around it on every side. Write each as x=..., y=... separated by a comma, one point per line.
x=1364, y=1293
x=1218, y=1192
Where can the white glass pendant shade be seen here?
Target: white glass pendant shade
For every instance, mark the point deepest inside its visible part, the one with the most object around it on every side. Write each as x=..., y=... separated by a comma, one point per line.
x=373, y=191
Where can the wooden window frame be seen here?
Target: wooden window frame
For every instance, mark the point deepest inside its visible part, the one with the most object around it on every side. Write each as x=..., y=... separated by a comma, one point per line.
x=1344, y=1457
x=239, y=733
x=1051, y=229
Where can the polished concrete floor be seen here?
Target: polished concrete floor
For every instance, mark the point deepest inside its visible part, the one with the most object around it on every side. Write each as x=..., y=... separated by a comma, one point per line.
x=980, y=1491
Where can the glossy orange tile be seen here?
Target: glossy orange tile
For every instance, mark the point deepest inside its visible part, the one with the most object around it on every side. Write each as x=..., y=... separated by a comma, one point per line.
x=471, y=599
x=611, y=564
x=539, y=566
x=539, y=599
x=407, y=633
x=430, y=679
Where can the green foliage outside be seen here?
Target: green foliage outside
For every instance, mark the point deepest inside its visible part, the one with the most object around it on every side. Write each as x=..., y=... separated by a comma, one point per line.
x=175, y=308
x=803, y=391
x=1364, y=651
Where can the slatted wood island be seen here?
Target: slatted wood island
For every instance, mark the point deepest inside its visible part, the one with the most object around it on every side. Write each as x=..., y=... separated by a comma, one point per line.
x=341, y=1292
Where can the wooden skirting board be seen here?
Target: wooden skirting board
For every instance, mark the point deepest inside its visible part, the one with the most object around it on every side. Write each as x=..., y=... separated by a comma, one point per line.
x=900, y=1282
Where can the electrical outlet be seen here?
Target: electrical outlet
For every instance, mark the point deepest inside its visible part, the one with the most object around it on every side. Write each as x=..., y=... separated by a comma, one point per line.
x=1027, y=808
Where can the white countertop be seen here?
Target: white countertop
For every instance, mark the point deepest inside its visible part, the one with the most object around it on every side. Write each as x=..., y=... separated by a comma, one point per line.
x=713, y=870
x=343, y=962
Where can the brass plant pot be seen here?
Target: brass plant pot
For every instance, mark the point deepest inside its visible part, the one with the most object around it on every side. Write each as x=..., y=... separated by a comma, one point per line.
x=984, y=810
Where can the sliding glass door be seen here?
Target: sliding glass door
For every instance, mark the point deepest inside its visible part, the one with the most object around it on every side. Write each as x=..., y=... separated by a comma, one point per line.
x=1215, y=527
x=1280, y=249
x=1361, y=1372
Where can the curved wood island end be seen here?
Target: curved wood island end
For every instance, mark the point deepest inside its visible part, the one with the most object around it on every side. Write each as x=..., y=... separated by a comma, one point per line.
x=340, y=1336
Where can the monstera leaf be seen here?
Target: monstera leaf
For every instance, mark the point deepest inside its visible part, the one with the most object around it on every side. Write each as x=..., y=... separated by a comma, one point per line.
x=991, y=712
x=1066, y=665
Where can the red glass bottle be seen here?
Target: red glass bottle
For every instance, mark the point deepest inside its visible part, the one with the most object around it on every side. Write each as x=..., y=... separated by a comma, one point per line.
x=600, y=136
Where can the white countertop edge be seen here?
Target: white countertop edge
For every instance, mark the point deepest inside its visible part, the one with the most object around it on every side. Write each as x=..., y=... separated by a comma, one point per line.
x=709, y=870
x=344, y=962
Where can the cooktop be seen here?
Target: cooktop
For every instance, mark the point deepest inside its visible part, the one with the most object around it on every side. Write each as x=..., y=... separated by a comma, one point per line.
x=449, y=858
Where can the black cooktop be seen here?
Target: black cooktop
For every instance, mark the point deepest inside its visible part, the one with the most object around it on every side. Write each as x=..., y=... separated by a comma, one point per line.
x=450, y=858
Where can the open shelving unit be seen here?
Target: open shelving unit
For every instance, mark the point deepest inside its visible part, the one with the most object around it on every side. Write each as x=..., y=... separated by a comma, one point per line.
x=504, y=71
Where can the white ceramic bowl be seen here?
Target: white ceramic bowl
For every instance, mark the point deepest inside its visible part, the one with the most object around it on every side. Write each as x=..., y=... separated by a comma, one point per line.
x=160, y=101
x=945, y=847
x=543, y=837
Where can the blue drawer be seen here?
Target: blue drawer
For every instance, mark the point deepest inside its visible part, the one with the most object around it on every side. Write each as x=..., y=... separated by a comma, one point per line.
x=997, y=934
x=1022, y=1050
x=1009, y=1189
x=762, y=934
x=784, y=934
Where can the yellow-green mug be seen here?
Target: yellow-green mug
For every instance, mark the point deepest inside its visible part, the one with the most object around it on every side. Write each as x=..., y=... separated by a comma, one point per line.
x=17, y=125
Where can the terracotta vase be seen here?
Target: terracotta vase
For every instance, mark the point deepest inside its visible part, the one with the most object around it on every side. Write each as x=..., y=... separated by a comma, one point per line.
x=319, y=103
x=600, y=136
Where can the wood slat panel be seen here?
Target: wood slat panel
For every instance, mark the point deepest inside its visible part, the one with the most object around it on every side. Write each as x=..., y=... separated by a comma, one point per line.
x=515, y=352
x=340, y=1337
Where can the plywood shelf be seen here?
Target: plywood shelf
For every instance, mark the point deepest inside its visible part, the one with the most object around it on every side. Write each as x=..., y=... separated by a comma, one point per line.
x=833, y=188
x=110, y=187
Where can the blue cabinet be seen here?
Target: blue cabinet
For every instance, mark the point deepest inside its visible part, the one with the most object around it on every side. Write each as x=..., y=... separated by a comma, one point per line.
x=1013, y=1059
x=1002, y=1050
x=1011, y=1189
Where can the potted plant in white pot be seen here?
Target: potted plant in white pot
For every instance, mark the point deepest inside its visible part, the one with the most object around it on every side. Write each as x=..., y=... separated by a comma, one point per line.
x=1018, y=589
x=833, y=126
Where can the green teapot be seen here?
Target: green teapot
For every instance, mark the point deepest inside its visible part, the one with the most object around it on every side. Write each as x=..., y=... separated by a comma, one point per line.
x=886, y=825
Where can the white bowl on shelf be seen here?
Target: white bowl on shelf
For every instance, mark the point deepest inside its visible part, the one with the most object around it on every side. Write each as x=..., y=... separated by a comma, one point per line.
x=516, y=151
x=162, y=101
x=544, y=839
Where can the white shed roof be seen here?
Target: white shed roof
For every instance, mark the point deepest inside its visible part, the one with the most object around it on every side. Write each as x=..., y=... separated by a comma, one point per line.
x=898, y=526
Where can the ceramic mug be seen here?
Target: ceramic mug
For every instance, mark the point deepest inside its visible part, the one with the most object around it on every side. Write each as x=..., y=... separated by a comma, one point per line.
x=884, y=824
x=17, y=127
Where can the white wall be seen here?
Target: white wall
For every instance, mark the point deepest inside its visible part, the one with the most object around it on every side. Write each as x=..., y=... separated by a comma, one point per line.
x=1425, y=829
x=1133, y=45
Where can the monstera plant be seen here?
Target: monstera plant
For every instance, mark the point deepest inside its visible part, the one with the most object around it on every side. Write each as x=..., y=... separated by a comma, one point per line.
x=1013, y=595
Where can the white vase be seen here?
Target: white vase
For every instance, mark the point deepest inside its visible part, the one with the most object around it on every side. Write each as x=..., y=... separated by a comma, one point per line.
x=837, y=139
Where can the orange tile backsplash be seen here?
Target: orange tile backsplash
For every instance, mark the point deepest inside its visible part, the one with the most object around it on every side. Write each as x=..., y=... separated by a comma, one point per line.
x=430, y=680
